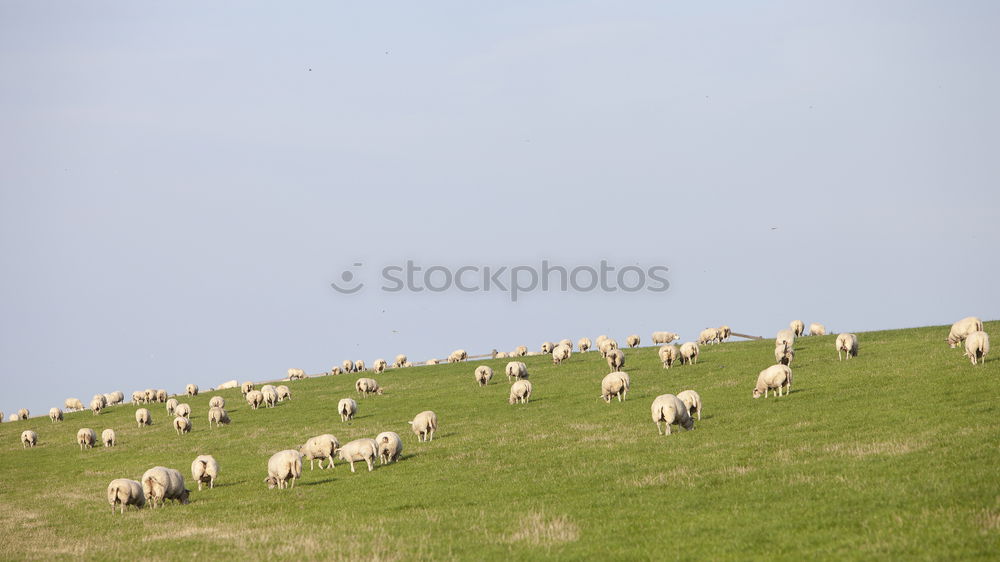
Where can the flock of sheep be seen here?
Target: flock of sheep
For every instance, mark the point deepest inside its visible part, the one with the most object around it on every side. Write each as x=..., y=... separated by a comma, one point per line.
x=159, y=484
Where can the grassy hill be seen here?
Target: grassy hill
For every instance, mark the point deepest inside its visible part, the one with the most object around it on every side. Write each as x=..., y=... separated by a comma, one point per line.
x=894, y=454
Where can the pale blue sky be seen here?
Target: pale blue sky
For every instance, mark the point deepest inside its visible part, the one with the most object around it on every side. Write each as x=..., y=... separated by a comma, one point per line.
x=179, y=189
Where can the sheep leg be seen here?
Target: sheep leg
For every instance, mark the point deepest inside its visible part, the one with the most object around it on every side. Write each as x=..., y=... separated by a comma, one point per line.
x=352, y=466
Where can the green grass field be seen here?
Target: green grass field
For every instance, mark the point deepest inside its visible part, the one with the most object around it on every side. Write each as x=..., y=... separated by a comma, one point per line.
x=894, y=454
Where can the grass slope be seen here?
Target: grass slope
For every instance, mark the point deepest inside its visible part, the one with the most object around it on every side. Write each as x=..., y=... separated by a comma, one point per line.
x=894, y=454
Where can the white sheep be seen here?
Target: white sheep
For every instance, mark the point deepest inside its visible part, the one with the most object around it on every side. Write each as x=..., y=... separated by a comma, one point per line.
x=347, y=366
x=149, y=395
x=246, y=387
x=380, y=366
x=97, y=405
x=347, y=407
x=615, y=359
x=502, y=355
x=457, y=356
x=217, y=416
x=615, y=384
x=160, y=484
x=143, y=417
x=691, y=400
x=561, y=353
x=183, y=410
x=204, y=469
x=137, y=397
x=282, y=467
x=668, y=354
x=633, y=340
x=125, y=492
x=55, y=414
x=23, y=414
x=319, y=448
x=848, y=343
x=283, y=392
x=784, y=336
x=73, y=404
x=109, y=438
x=255, y=398
x=233, y=383
x=707, y=336
x=798, y=327
x=547, y=347
x=961, y=329
x=390, y=446
x=28, y=438
x=689, y=353
x=784, y=354
x=516, y=370
x=664, y=337
x=86, y=437
x=295, y=374
x=483, y=374
x=424, y=424
x=520, y=351
x=670, y=410
x=160, y=395
x=400, y=360
x=191, y=390
x=431, y=362
x=584, y=344
x=359, y=450
x=182, y=425
x=270, y=387
x=775, y=377
x=217, y=402
x=366, y=386
x=172, y=405
x=817, y=329
x=359, y=366
x=977, y=345
x=334, y=370
x=270, y=397
x=565, y=341
x=520, y=392
x=13, y=417
x=724, y=333
x=100, y=398
x=606, y=346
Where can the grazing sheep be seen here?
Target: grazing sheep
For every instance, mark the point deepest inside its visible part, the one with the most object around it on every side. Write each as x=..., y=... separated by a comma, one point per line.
x=516, y=370
x=784, y=354
x=400, y=361
x=483, y=374
x=270, y=397
x=724, y=333
x=255, y=398
x=584, y=344
x=137, y=397
x=191, y=390
x=784, y=336
x=633, y=340
x=182, y=425
x=961, y=329
x=125, y=492
x=319, y=448
x=432, y=362
x=23, y=414
x=689, y=353
x=270, y=387
x=160, y=395
x=520, y=351
x=347, y=407
x=246, y=387
x=664, y=337
x=615, y=384
x=561, y=353
x=73, y=404
x=606, y=346
x=615, y=359
x=218, y=416
x=171, y=405
x=520, y=392
x=848, y=343
x=283, y=393
x=599, y=340
x=109, y=438
x=707, y=336
x=149, y=395
x=217, y=402
x=424, y=424
x=282, y=467
x=28, y=438
x=457, y=356
x=55, y=414
x=97, y=405
x=670, y=410
x=501, y=355
x=547, y=347
x=347, y=366
x=204, y=469
x=668, y=354
x=296, y=374
x=390, y=446
x=86, y=437
x=143, y=417
x=359, y=450
x=798, y=327
x=359, y=366
x=182, y=410
x=565, y=341
x=775, y=377
x=380, y=366
x=100, y=398
x=334, y=370
x=691, y=400
x=228, y=384
x=817, y=329
x=977, y=345
x=160, y=484
x=366, y=386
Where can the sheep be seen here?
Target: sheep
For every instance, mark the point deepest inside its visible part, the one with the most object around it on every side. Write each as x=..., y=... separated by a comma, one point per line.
x=400, y=360
x=784, y=336
x=270, y=387
x=347, y=366
x=28, y=438
x=724, y=333
x=100, y=398
x=137, y=397
x=520, y=351
x=283, y=393
x=246, y=387
x=457, y=356
x=191, y=390
x=501, y=355
x=366, y=386
x=380, y=366
x=535, y=353
x=228, y=384
x=182, y=425
x=347, y=407
x=664, y=337
x=23, y=414
x=707, y=336
x=615, y=384
x=109, y=438
x=599, y=340
x=567, y=342
x=359, y=366
x=217, y=402
x=516, y=370
x=616, y=359
x=692, y=400
x=689, y=353
x=784, y=354
x=668, y=354
x=172, y=405
x=143, y=417
x=13, y=417
x=119, y=397
x=977, y=345
x=218, y=416
x=96, y=406
x=520, y=392
x=160, y=395
x=561, y=353
x=270, y=397
x=961, y=329
x=55, y=414
x=149, y=395
x=848, y=343
x=424, y=424
x=670, y=410
x=296, y=374
x=359, y=450
x=182, y=410
x=483, y=374
x=633, y=340
x=584, y=344
x=319, y=448
x=204, y=469
x=432, y=362
x=125, y=492
x=817, y=329
x=547, y=347
x=775, y=377
x=73, y=404
x=255, y=398
x=86, y=437
x=798, y=327
x=282, y=467
x=390, y=446
x=160, y=484
x=606, y=346
x=334, y=370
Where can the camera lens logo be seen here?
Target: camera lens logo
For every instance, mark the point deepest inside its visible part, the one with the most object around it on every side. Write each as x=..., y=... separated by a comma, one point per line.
x=347, y=277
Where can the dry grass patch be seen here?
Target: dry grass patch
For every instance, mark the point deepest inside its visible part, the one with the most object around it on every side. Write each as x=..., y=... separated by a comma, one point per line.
x=680, y=475
x=538, y=530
